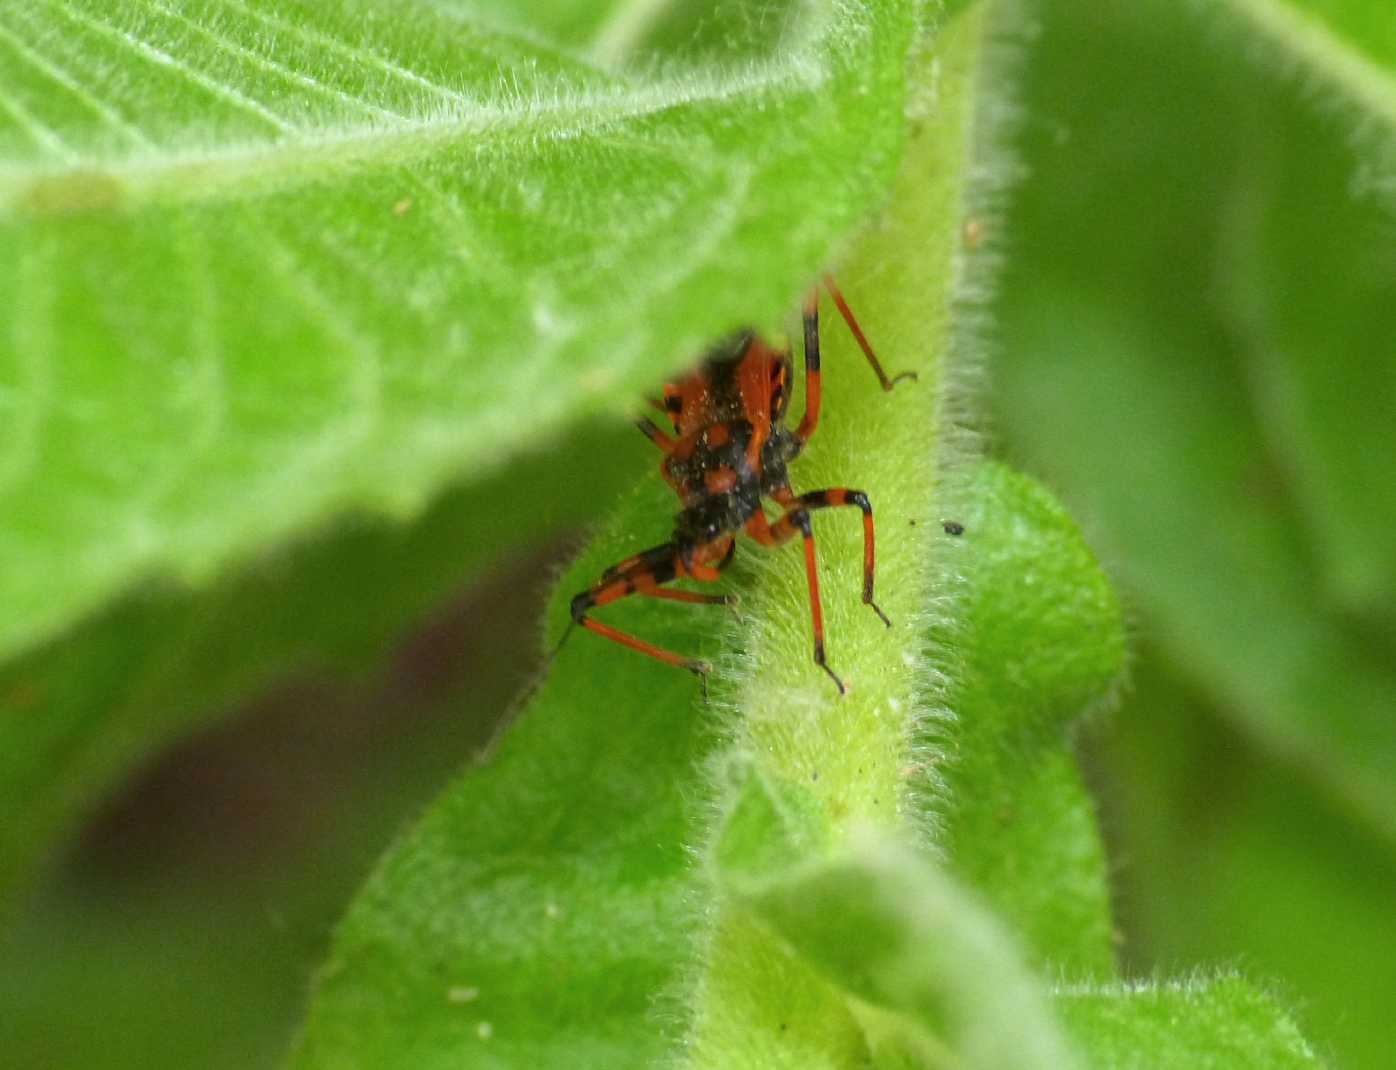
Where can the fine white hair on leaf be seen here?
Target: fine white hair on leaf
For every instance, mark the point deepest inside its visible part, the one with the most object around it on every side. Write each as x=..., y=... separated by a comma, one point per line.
x=779, y=709
x=993, y=172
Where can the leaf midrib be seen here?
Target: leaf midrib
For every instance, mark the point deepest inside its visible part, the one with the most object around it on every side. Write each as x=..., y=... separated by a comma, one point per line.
x=307, y=155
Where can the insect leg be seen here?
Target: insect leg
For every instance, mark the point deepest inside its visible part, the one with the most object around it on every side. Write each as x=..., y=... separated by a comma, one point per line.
x=652, y=432
x=697, y=597
x=782, y=531
x=861, y=338
x=810, y=420
x=641, y=574
x=832, y=499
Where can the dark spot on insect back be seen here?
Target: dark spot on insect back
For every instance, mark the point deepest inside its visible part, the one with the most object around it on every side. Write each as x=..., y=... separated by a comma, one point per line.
x=953, y=527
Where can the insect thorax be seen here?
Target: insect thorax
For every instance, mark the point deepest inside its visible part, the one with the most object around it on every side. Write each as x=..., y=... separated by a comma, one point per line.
x=720, y=489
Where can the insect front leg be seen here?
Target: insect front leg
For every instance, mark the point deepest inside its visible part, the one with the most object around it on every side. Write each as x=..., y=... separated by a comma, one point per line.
x=652, y=432
x=813, y=390
x=833, y=498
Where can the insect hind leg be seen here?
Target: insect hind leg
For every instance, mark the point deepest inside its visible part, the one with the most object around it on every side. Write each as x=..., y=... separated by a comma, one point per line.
x=642, y=574
x=796, y=521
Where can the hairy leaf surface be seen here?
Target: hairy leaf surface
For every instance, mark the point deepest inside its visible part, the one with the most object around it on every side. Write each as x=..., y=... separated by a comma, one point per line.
x=1228, y=1023
x=266, y=262
x=566, y=865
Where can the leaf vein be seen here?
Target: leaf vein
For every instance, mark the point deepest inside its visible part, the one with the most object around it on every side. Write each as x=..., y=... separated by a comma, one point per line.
x=187, y=175
x=57, y=74
x=39, y=132
x=357, y=52
x=160, y=58
x=279, y=69
x=207, y=380
x=365, y=383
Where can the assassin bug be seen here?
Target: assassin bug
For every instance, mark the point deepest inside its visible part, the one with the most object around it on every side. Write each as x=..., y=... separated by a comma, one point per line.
x=729, y=449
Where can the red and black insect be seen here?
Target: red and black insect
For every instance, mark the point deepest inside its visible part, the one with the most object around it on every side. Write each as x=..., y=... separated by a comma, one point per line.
x=729, y=450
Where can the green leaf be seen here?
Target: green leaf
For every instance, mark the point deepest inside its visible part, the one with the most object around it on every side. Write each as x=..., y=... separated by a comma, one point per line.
x=893, y=931
x=547, y=910
x=186, y=918
x=1311, y=355
x=265, y=262
x=1345, y=45
x=1184, y=1025
x=195, y=983
x=533, y=915
x=268, y=264
x=1185, y=368
x=1041, y=643
x=856, y=757
x=1196, y=329
x=1238, y=859
x=1308, y=349
x=642, y=32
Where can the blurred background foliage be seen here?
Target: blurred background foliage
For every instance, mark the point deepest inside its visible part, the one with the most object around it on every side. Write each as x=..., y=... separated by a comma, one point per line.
x=1196, y=325
x=1194, y=349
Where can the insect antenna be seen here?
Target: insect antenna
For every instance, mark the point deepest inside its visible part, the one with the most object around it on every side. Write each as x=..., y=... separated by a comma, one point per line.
x=566, y=634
